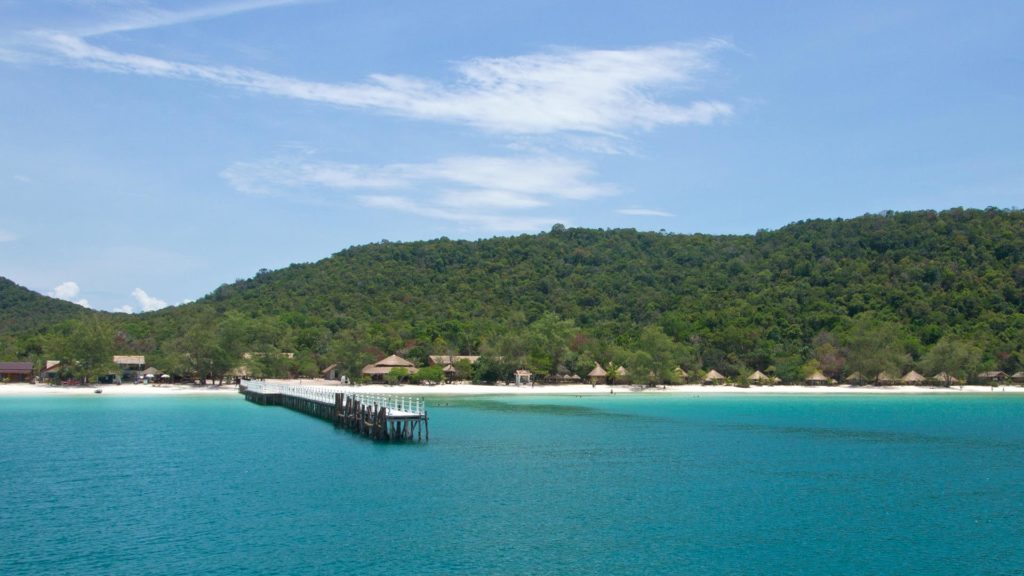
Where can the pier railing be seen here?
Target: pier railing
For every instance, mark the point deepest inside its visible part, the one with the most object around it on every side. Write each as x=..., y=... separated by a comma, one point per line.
x=396, y=405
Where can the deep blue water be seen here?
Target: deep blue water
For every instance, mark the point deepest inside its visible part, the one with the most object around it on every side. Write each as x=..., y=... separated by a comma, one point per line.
x=538, y=485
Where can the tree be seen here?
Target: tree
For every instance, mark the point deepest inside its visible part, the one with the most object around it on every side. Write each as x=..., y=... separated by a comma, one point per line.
x=953, y=357
x=876, y=345
x=433, y=373
x=89, y=348
x=396, y=375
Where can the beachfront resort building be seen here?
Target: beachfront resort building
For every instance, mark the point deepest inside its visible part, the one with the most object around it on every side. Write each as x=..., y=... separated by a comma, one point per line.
x=597, y=375
x=445, y=359
x=129, y=368
x=523, y=377
x=378, y=371
x=15, y=371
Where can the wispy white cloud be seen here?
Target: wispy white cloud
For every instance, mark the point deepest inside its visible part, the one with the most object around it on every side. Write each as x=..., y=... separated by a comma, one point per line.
x=146, y=17
x=490, y=192
x=146, y=302
x=494, y=221
x=127, y=309
x=602, y=92
x=6, y=236
x=644, y=212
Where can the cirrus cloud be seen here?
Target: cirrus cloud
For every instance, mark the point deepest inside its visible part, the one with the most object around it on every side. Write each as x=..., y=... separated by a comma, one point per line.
x=607, y=92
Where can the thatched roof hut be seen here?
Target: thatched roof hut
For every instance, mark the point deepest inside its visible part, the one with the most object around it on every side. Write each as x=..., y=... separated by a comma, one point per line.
x=816, y=378
x=993, y=376
x=597, y=372
x=885, y=378
x=713, y=377
x=383, y=367
x=621, y=371
x=681, y=373
x=944, y=378
x=1017, y=377
x=912, y=377
x=443, y=359
x=758, y=377
x=855, y=378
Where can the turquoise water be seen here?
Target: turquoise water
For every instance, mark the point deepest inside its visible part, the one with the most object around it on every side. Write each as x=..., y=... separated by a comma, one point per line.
x=538, y=485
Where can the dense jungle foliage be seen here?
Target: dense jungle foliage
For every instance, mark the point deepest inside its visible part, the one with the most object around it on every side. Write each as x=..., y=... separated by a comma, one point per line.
x=932, y=291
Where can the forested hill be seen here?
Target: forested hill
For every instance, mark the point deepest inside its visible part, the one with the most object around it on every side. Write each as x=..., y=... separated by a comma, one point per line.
x=22, y=310
x=784, y=301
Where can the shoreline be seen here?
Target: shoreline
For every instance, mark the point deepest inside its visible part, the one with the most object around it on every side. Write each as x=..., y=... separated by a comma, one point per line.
x=464, y=389
x=132, y=390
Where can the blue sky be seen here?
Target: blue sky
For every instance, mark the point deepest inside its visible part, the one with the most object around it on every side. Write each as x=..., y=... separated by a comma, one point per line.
x=152, y=151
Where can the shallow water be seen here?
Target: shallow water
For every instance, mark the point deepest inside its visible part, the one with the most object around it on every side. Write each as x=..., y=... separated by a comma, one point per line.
x=538, y=485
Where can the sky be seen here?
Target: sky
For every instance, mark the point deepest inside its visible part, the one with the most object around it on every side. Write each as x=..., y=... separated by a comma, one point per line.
x=151, y=151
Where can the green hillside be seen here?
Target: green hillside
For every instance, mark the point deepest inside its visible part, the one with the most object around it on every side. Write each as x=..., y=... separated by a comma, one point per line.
x=25, y=311
x=870, y=293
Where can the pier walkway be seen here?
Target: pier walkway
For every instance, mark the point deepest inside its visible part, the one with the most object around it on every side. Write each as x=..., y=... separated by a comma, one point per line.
x=376, y=416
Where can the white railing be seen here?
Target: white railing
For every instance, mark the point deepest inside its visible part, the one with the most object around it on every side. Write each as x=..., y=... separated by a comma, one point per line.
x=396, y=405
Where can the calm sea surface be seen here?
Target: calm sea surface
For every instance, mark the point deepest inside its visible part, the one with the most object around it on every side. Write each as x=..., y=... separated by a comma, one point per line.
x=516, y=485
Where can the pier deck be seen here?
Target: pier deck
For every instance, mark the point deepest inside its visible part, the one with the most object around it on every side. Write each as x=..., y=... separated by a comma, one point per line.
x=379, y=417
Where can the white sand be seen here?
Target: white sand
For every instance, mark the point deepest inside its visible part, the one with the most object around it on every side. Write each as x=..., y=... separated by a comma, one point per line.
x=115, y=390
x=466, y=389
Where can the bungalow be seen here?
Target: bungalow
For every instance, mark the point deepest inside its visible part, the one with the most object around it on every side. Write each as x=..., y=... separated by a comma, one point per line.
x=597, y=375
x=913, y=378
x=380, y=369
x=52, y=370
x=817, y=378
x=993, y=376
x=444, y=360
x=129, y=367
x=758, y=377
x=15, y=371
x=332, y=372
x=523, y=377
x=713, y=377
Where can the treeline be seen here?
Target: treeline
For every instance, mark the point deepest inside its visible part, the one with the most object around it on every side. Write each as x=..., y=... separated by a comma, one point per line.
x=870, y=294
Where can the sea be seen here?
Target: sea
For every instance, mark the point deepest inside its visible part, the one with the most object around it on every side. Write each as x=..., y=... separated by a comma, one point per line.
x=625, y=484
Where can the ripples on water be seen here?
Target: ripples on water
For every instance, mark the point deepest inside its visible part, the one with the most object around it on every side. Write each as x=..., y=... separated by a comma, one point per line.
x=540, y=485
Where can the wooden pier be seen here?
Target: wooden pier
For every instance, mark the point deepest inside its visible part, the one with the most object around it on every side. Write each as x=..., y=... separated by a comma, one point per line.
x=382, y=418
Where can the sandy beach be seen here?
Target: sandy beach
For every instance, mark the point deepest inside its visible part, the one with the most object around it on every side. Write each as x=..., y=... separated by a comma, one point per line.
x=466, y=389
x=25, y=389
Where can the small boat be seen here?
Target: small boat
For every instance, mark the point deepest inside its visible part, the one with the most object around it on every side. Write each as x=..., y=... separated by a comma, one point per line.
x=97, y=391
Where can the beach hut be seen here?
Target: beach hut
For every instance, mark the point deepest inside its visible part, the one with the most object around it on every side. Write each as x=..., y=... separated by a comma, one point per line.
x=523, y=377
x=445, y=359
x=681, y=374
x=332, y=372
x=597, y=375
x=450, y=372
x=885, y=378
x=945, y=379
x=913, y=378
x=15, y=371
x=817, y=378
x=1018, y=377
x=855, y=378
x=378, y=370
x=758, y=378
x=713, y=377
x=993, y=376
